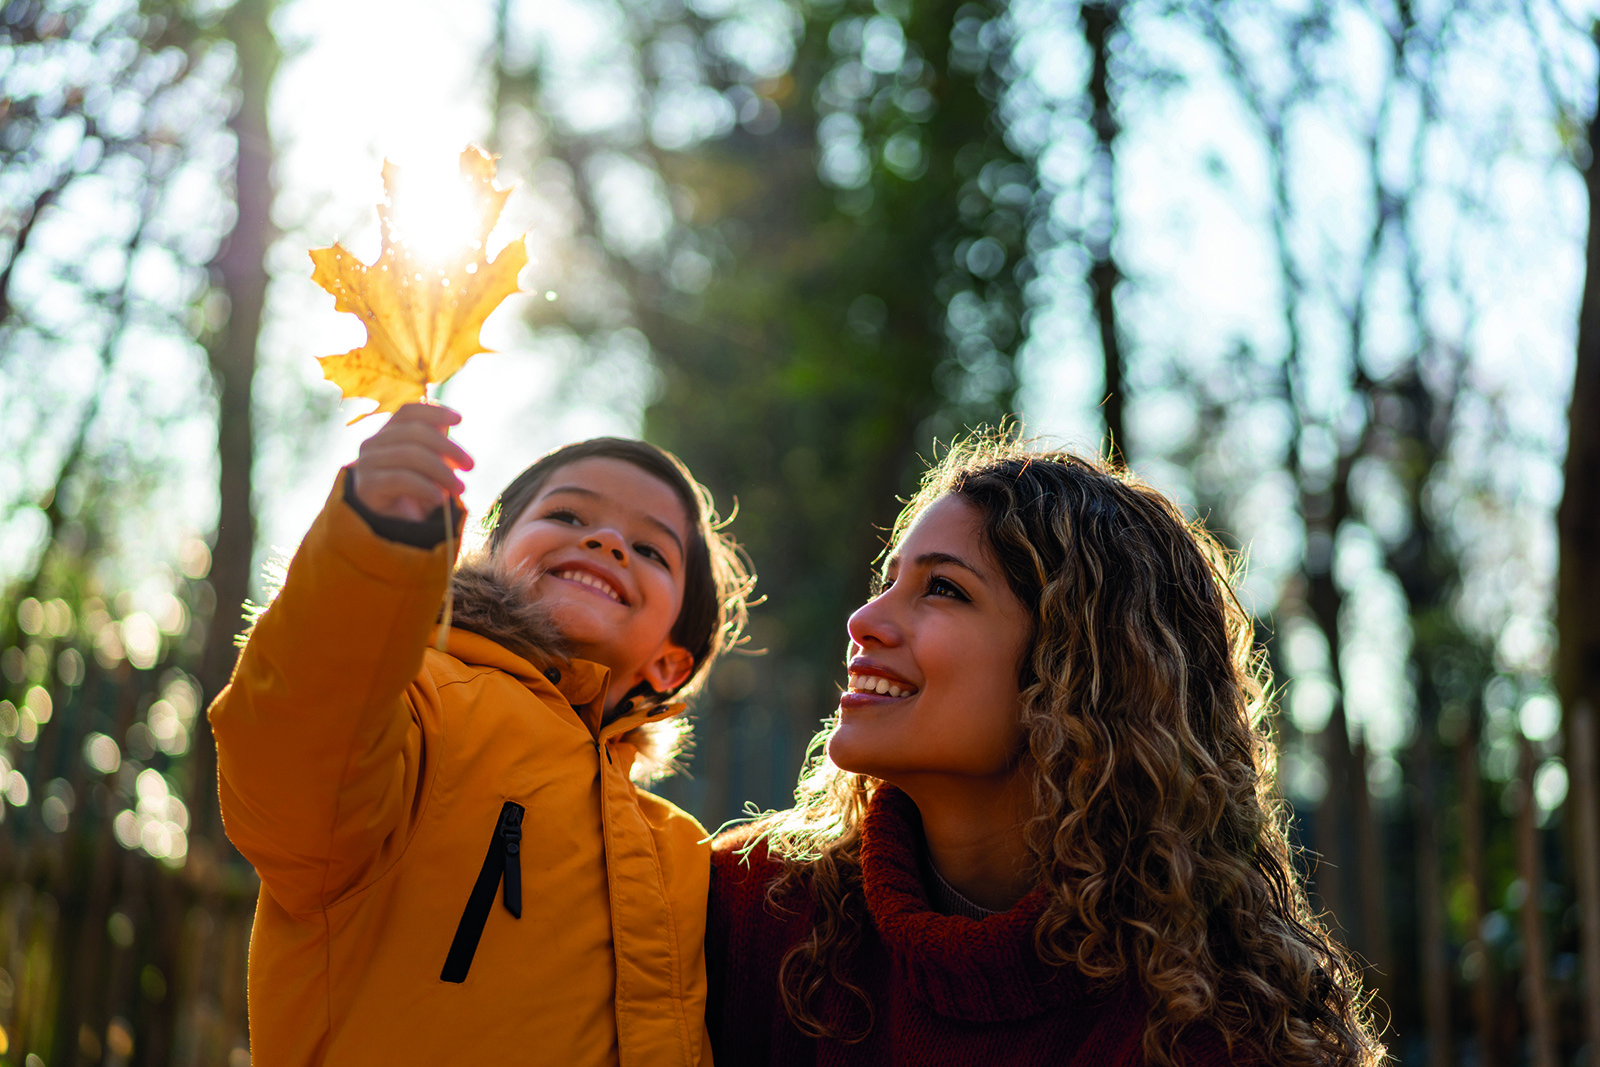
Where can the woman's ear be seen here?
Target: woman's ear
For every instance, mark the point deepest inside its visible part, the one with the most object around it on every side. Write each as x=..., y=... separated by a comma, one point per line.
x=670, y=668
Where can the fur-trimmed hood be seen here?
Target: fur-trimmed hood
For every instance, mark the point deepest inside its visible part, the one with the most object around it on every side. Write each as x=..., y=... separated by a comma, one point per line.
x=489, y=600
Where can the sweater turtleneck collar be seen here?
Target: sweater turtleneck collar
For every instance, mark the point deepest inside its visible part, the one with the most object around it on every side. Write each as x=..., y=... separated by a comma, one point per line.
x=977, y=970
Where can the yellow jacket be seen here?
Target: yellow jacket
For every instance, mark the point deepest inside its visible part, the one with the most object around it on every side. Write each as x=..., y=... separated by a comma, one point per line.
x=374, y=783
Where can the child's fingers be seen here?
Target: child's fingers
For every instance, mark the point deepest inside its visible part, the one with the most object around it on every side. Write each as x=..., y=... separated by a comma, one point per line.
x=398, y=493
x=411, y=457
x=408, y=468
x=418, y=431
x=431, y=414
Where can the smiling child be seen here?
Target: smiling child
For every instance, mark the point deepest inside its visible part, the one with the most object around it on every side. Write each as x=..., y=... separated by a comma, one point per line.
x=455, y=864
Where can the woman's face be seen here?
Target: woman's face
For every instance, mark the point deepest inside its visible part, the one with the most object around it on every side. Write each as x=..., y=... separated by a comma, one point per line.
x=934, y=661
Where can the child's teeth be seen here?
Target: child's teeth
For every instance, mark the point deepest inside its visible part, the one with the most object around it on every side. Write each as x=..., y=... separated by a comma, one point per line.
x=590, y=580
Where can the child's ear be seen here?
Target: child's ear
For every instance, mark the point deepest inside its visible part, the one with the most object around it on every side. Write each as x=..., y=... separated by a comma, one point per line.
x=671, y=667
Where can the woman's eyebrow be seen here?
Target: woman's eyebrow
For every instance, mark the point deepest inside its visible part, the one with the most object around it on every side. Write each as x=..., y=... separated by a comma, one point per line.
x=661, y=524
x=933, y=559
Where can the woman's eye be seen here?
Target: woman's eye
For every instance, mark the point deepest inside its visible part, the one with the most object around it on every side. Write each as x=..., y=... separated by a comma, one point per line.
x=945, y=587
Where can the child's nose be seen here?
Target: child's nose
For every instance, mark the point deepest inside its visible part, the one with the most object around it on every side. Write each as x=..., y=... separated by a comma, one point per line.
x=604, y=540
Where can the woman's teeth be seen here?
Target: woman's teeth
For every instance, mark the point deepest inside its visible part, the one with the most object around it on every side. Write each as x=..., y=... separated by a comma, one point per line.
x=872, y=683
x=585, y=578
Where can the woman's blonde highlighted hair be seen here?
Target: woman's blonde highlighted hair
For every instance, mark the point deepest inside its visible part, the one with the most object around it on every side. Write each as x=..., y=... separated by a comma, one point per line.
x=1157, y=828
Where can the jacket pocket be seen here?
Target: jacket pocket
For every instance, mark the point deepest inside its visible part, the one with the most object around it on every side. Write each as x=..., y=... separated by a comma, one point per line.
x=503, y=865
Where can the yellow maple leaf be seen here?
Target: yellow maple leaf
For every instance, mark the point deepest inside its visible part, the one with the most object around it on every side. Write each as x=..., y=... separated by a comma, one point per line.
x=422, y=316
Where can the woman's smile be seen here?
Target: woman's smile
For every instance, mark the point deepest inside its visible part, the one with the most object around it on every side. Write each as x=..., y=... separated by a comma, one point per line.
x=871, y=685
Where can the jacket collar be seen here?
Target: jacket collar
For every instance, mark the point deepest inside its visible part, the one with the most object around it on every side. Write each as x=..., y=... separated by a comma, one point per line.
x=579, y=682
x=644, y=733
x=978, y=970
x=650, y=713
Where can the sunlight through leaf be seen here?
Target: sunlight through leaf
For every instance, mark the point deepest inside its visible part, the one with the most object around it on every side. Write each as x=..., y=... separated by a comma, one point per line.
x=426, y=297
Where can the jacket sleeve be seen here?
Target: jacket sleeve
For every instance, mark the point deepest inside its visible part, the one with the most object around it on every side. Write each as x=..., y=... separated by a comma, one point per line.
x=320, y=733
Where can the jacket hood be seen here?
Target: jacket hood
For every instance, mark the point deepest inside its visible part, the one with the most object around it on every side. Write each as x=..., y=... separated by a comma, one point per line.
x=489, y=600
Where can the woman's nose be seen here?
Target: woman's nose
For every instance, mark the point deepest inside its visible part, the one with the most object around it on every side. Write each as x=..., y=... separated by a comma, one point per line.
x=873, y=622
x=608, y=540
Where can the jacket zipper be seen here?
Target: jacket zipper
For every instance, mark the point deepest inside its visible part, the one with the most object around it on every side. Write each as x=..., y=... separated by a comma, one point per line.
x=502, y=867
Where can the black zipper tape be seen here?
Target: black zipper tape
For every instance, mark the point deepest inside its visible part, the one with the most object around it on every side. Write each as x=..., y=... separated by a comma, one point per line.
x=511, y=837
x=502, y=864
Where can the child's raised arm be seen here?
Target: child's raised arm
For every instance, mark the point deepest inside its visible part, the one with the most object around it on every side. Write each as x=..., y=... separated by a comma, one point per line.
x=321, y=732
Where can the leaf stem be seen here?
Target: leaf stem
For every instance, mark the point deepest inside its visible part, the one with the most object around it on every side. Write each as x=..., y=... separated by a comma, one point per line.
x=442, y=637
x=449, y=592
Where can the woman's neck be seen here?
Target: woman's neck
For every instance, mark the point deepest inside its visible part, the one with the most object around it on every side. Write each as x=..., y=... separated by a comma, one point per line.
x=975, y=841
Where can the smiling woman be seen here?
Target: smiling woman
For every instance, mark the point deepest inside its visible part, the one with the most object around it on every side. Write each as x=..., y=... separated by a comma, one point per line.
x=933, y=701
x=1044, y=829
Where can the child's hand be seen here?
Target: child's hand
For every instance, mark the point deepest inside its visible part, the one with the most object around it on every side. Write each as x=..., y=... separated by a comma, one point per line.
x=406, y=469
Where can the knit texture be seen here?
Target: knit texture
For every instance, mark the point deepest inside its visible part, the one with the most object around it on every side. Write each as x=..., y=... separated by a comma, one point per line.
x=945, y=989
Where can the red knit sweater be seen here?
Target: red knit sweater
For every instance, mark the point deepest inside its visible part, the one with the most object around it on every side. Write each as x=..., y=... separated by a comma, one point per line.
x=944, y=989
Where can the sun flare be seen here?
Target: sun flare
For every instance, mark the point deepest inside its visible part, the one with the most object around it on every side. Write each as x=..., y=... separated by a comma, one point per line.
x=435, y=215
x=423, y=315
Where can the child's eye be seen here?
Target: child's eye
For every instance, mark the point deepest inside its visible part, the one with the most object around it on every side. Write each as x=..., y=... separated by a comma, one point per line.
x=564, y=515
x=945, y=587
x=649, y=551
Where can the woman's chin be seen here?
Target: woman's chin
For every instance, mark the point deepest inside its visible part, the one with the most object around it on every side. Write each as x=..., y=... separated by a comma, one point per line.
x=850, y=751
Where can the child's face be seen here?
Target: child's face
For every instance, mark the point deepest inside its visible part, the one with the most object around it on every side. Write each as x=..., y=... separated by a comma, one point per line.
x=604, y=543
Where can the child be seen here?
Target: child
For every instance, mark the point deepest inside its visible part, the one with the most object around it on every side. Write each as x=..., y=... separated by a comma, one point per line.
x=1045, y=829
x=455, y=866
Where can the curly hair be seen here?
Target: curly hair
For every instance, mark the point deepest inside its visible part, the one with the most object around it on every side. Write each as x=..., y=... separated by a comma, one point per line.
x=1156, y=828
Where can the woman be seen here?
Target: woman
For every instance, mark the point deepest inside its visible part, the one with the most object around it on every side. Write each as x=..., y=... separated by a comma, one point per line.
x=1044, y=829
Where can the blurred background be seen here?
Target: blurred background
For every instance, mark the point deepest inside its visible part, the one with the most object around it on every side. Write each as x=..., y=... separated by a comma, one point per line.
x=1317, y=268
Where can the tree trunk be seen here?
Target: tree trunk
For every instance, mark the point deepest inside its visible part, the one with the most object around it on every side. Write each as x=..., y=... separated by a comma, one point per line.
x=1541, y=1024
x=1337, y=814
x=1582, y=807
x=1101, y=19
x=1430, y=908
x=241, y=267
x=1368, y=873
x=1483, y=1001
x=1577, y=666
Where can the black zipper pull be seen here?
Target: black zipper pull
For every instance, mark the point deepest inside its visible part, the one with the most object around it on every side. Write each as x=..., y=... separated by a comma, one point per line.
x=503, y=861
x=511, y=835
